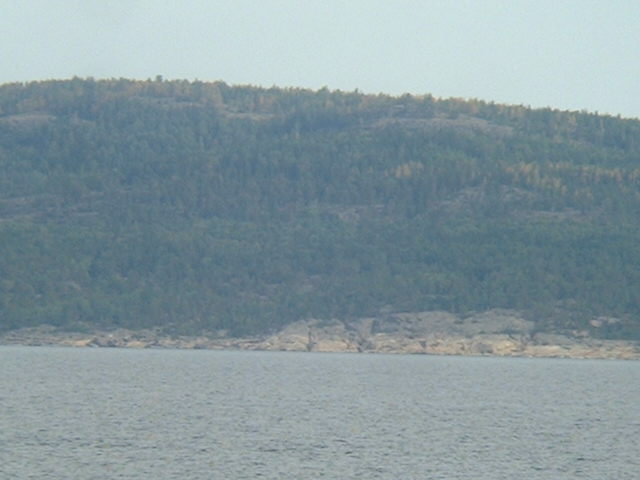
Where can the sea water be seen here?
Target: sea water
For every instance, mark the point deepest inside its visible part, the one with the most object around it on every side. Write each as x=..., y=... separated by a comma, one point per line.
x=185, y=414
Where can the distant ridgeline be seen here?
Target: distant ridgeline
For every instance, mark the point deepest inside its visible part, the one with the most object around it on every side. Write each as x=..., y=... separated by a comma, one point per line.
x=200, y=207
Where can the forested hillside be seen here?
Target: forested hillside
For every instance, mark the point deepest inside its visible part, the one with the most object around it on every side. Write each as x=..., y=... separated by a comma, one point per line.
x=202, y=207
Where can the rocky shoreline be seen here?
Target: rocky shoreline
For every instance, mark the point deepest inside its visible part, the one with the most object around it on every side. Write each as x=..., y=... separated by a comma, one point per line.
x=494, y=333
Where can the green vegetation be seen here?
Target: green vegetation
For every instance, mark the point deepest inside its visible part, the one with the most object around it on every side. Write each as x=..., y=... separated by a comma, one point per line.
x=201, y=206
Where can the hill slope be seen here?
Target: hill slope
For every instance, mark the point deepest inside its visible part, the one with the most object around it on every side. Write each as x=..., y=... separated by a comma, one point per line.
x=201, y=206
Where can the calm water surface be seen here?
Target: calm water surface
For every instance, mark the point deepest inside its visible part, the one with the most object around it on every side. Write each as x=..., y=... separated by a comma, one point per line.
x=167, y=414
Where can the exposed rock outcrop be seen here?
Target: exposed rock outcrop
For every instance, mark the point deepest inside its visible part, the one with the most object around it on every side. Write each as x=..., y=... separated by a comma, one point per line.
x=496, y=333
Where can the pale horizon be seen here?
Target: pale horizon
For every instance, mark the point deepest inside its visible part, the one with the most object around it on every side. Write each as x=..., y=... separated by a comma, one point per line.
x=577, y=55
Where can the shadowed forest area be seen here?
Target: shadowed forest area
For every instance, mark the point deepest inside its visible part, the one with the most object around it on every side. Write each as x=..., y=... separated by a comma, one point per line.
x=197, y=207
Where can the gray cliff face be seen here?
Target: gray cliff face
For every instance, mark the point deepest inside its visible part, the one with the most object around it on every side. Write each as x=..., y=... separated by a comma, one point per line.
x=495, y=332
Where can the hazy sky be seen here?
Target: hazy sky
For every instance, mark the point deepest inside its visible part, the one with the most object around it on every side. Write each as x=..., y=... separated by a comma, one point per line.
x=568, y=54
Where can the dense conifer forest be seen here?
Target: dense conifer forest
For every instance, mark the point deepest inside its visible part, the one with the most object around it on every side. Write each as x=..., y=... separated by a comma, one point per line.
x=198, y=206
